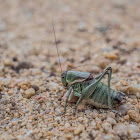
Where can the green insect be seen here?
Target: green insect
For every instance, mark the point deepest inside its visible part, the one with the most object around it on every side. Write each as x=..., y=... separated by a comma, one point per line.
x=92, y=89
x=85, y=86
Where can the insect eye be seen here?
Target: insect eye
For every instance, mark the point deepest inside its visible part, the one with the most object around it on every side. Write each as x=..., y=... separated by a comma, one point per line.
x=63, y=77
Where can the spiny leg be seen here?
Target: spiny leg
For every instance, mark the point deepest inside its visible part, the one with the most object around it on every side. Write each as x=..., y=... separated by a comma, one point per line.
x=80, y=98
x=109, y=95
x=90, y=89
x=67, y=97
x=109, y=79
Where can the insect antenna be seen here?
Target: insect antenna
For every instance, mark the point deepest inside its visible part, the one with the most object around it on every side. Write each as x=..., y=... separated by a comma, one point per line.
x=79, y=66
x=56, y=45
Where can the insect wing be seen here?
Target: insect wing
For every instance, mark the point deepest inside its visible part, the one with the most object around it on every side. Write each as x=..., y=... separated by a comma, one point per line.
x=76, y=76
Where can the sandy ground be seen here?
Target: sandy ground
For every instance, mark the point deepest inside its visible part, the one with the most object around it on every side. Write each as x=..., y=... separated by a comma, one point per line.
x=101, y=33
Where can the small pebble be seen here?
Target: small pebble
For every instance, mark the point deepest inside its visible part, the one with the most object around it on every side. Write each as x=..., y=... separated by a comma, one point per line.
x=111, y=55
x=79, y=129
x=68, y=136
x=138, y=107
x=126, y=117
x=29, y=92
x=95, y=69
x=127, y=88
x=93, y=124
x=28, y=133
x=134, y=115
x=58, y=118
x=120, y=129
x=67, y=125
x=106, y=126
x=82, y=26
x=0, y=95
x=135, y=135
x=138, y=95
x=23, y=65
x=35, y=87
x=111, y=120
x=133, y=128
x=122, y=110
x=107, y=137
x=10, y=92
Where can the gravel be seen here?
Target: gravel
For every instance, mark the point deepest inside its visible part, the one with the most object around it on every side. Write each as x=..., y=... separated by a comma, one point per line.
x=100, y=33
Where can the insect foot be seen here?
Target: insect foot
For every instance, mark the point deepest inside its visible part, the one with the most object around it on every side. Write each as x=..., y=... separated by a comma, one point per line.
x=63, y=113
x=116, y=112
x=74, y=112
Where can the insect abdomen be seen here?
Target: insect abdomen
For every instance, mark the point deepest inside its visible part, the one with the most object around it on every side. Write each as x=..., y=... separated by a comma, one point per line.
x=99, y=98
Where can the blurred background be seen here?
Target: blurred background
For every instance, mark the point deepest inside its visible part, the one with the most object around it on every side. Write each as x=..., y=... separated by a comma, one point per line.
x=87, y=32
x=97, y=32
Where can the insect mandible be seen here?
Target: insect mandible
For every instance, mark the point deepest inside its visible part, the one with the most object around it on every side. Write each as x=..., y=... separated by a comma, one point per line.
x=85, y=86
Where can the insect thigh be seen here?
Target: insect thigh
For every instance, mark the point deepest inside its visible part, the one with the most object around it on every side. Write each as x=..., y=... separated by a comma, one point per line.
x=100, y=96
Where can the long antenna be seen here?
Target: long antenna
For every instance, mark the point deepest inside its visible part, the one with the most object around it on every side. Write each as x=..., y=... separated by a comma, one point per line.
x=79, y=66
x=56, y=45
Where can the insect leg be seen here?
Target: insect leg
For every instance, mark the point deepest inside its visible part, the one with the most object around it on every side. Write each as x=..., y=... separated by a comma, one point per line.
x=67, y=97
x=76, y=94
x=109, y=79
x=109, y=95
x=80, y=98
x=89, y=89
x=97, y=77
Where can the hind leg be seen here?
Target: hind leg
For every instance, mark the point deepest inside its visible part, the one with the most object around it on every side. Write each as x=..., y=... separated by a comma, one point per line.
x=109, y=95
x=109, y=72
x=90, y=89
x=67, y=97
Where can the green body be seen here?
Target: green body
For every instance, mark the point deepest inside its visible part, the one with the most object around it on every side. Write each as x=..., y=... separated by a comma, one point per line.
x=99, y=97
x=92, y=89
